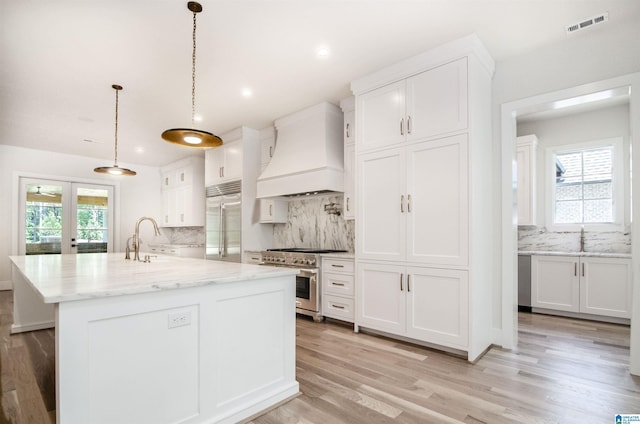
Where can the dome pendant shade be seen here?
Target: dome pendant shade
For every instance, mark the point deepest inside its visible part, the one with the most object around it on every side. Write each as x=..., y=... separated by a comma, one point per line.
x=115, y=169
x=191, y=137
x=188, y=136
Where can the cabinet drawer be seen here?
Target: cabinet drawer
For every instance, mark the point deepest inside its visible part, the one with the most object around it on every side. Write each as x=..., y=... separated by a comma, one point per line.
x=338, y=307
x=165, y=251
x=337, y=265
x=340, y=284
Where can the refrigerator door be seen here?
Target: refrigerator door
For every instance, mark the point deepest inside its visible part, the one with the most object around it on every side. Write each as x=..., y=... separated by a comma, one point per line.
x=223, y=228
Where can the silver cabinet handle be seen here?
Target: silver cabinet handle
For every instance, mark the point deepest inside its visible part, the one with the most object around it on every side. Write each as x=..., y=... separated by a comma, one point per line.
x=408, y=203
x=583, y=269
x=401, y=126
x=401, y=276
x=348, y=210
x=337, y=284
x=337, y=266
x=408, y=282
x=347, y=130
x=181, y=217
x=409, y=124
x=270, y=210
x=220, y=172
x=402, y=203
x=575, y=269
x=270, y=151
x=182, y=177
x=337, y=306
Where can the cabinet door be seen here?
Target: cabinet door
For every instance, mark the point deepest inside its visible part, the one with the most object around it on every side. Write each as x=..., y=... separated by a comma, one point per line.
x=213, y=162
x=273, y=211
x=605, y=286
x=380, y=297
x=555, y=283
x=437, y=101
x=268, y=146
x=349, y=127
x=381, y=205
x=167, y=203
x=438, y=306
x=438, y=202
x=349, y=210
x=525, y=159
x=232, y=167
x=380, y=117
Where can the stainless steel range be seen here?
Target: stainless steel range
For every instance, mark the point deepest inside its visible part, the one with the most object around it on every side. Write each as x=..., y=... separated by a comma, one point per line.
x=308, y=280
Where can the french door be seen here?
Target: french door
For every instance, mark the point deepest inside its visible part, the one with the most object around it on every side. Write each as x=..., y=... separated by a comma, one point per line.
x=64, y=217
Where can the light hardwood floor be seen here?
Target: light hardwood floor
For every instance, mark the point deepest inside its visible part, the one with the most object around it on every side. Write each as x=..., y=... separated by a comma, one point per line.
x=563, y=371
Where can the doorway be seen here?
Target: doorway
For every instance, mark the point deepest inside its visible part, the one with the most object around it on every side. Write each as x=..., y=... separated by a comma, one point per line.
x=510, y=112
x=62, y=217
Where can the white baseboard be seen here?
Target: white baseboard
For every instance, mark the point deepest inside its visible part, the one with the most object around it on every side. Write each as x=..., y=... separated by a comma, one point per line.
x=6, y=285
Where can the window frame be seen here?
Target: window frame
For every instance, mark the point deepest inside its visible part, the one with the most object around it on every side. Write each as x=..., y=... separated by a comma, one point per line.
x=617, y=177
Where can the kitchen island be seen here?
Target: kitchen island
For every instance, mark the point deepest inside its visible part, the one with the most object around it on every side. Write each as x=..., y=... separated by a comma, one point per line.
x=176, y=340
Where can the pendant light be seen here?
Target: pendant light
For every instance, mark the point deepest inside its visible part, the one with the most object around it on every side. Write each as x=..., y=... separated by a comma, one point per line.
x=115, y=169
x=188, y=136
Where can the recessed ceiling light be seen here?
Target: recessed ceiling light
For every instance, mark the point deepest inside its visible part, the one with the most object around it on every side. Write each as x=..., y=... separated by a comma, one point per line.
x=322, y=52
x=197, y=118
x=246, y=92
x=140, y=150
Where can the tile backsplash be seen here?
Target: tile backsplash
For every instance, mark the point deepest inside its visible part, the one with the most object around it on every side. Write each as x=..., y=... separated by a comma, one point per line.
x=308, y=225
x=538, y=238
x=183, y=235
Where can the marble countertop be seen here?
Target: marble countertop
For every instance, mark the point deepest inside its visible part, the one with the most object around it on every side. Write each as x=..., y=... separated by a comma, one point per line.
x=589, y=254
x=173, y=245
x=61, y=278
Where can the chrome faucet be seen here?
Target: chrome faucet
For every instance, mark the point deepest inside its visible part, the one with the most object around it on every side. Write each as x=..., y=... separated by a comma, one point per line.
x=136, y=236
x=582, y=239
x=127, y=249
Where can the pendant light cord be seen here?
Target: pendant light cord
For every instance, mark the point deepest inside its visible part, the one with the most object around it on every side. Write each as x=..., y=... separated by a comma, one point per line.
x=193, y=73
x=115, y=161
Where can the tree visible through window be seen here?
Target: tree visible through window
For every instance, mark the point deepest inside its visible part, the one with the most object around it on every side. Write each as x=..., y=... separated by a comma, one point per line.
x=584, y=191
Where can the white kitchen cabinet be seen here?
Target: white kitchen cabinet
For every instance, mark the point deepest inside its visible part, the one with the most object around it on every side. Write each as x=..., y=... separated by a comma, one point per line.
x=274, y=211
x=338, y=288
x=526, y=161
x=431, y=103
x=586, y=285
x=349, y=136
x=428, y=304
x=183, y=194
x=267, y=145
x=423, y=174
x=349, y=209
x=223, y=163
x=419, y=195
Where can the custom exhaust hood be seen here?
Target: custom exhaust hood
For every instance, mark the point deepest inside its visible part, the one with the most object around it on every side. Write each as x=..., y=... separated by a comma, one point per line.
x=308, y=155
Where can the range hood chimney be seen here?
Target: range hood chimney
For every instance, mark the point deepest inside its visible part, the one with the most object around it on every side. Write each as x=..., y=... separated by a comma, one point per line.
x=308, y=156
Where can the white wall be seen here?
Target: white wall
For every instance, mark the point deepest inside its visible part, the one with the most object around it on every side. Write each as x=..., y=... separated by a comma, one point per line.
x=138, y=196
x=600, y=124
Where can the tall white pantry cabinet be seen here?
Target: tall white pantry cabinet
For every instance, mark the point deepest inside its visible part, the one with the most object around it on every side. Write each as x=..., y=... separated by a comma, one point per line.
x=423, y=198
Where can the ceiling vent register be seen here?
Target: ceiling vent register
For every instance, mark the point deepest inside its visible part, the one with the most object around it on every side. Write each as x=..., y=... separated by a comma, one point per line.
x=587, y=23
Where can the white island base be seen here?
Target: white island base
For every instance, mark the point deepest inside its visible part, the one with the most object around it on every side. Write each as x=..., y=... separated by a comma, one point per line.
x=213, y=352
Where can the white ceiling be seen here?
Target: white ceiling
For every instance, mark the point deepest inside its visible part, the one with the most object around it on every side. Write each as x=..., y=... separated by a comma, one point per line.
x=58, y=60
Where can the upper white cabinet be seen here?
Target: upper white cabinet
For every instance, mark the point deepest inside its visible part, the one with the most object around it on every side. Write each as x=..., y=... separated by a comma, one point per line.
x=423, y=174
x=224, y=163
x=526, y=161
x=588, y=285
x=183, y=193
x=349, y=204
x=273, y=210
x=268, y=146
x=428, y=104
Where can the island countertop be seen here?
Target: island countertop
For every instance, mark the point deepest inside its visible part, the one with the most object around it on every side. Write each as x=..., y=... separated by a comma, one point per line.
x=61, y=278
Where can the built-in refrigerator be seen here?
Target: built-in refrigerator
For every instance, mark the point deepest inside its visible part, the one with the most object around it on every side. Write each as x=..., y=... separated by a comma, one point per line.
x=223, y=222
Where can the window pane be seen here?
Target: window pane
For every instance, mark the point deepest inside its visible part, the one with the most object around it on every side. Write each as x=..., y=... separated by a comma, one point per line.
x=92, y=218
x=584, y=187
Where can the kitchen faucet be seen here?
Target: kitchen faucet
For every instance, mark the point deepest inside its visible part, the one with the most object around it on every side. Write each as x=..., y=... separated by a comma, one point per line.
x=136, y=236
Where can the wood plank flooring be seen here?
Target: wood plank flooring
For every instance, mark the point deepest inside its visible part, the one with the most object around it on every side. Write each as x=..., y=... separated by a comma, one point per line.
x=563, y=371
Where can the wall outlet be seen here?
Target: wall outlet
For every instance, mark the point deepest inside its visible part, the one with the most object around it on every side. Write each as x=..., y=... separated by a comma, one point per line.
x=179, y=319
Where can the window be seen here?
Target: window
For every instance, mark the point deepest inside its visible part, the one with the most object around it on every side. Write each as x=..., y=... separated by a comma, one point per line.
x=586, y=183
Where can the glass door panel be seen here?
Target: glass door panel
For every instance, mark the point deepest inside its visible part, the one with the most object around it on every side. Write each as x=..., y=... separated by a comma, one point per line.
x=64, y=217
x=92, y=222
